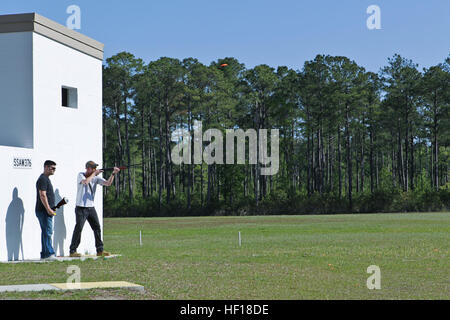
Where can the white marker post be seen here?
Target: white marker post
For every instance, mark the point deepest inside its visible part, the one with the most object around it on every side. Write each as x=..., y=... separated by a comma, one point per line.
x=239, y=238
x=140, y=238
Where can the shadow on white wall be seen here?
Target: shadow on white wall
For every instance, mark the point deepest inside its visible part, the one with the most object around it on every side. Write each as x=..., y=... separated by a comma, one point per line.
x=59, y=228
x=14, y=226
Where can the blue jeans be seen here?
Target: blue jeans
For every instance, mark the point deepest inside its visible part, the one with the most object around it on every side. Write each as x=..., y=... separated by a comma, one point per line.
x=46, y=223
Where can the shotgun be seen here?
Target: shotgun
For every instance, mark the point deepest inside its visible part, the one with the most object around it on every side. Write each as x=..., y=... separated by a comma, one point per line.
x=61, y=203
x=122, y=167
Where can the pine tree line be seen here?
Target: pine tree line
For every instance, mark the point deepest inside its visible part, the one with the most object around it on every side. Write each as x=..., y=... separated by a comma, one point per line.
x=350, y=140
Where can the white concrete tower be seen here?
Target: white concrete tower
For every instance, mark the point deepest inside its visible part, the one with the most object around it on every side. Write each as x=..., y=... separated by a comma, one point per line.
x=50, y=109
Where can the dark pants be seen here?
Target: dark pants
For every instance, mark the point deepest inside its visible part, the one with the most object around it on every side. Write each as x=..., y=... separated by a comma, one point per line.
x=83, y=214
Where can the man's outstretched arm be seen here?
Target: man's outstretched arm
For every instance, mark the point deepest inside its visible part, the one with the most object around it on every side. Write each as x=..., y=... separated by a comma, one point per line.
x=109, y=182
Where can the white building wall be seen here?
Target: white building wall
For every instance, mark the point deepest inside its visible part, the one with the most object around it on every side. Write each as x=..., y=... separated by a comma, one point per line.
x=16, y=133
x=19, y=234
x=70, y=137
x=16, y=81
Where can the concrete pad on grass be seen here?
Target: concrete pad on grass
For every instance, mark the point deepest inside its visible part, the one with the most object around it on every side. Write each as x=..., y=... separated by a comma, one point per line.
x=98, y=285
x=59, y=259
x=27, y=287
x=72, y=286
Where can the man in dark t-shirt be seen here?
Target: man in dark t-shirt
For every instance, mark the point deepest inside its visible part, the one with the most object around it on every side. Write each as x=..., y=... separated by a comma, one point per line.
x=44, y=184
x=45, y=200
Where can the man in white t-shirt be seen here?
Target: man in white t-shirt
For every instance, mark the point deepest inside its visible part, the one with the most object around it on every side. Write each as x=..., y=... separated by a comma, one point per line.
x=86, y=186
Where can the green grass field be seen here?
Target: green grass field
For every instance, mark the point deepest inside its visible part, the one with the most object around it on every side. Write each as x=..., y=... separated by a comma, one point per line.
x=281, y=257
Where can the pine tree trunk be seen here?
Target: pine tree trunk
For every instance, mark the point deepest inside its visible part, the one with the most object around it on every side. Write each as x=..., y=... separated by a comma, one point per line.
x=119, y=143
x=362, y=162
x=160, y=184
x=144, y=173
x=436, y=147
x=308, y=160
x=411, y=166
x=349, y=161
x=339, y=163
x=127, y=143
x=371, y=159
x=189, y=169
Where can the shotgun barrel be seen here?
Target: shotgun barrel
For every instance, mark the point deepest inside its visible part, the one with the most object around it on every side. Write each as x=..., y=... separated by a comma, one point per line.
x=111, y=169
x=122, y=167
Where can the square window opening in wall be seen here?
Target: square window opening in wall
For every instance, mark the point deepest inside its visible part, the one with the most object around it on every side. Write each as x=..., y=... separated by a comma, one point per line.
x=69, y=97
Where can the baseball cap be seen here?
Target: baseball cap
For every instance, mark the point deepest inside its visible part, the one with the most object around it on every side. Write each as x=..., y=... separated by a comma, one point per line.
x=91, y=164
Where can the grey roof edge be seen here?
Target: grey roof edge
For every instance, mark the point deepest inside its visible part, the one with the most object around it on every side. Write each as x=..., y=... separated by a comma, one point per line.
x=34, y=22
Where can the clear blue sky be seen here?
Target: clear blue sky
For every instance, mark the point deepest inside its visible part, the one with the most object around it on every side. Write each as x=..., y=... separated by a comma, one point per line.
x=283, y=32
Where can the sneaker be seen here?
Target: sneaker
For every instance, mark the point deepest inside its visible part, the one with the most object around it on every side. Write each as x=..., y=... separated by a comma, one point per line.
x=51, y=258
x=75, y=255
x=103, y=254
